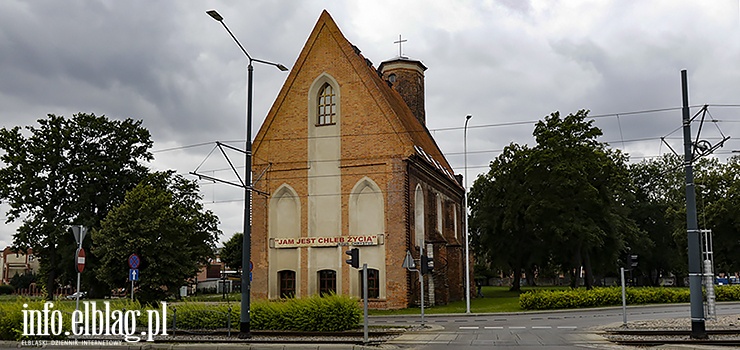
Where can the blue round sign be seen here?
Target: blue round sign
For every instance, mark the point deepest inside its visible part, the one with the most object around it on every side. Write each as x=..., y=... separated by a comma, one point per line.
x=133, y=261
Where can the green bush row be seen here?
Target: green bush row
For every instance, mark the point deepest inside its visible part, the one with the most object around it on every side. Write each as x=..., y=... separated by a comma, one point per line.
x=6, y=289
x=579, y=298
x=11, y=315
x=315, y=314
x=727, y=293
x=195, y=315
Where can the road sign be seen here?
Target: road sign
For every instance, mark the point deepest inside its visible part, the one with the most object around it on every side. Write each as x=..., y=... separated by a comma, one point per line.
x=133, y=261
x=79, y=232
x=133, y=274
x=408, y=262
x=80, y=259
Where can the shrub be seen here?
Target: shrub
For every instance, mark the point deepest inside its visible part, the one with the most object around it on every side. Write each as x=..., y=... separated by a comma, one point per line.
x=11, y=319
x=202, y=316
x=727, y=293
x=6, y=289
x=577, y=298
x=314, y=314
x=20, y=281
x=11, y=316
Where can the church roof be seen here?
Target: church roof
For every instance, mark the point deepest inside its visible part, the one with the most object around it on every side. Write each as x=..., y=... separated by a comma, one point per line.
x=416, y=138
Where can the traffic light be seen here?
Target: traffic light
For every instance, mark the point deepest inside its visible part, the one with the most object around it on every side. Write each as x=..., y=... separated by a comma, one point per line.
x=427, y=265
x=354, y=257
x=632, y=260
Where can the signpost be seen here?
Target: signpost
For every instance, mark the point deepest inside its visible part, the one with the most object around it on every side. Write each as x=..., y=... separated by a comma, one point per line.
x=409, y=264
x=133, y=273
x=354, y=261
x=80, y=260
x=79, y=232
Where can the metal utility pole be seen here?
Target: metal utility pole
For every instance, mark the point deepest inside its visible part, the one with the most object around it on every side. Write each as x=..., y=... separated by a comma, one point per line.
x=698, y=330
x=244, y=319
x=408, y=264
x=465, y=207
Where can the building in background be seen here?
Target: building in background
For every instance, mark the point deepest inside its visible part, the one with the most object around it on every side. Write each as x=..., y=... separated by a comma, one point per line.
x=342, y=160
x=17, y=263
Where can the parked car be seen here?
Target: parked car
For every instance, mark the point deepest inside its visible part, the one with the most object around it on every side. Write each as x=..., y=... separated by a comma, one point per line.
x=82, y=295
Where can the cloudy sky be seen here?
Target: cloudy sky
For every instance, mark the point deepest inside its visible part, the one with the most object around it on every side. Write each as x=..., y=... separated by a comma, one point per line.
x=506, y=62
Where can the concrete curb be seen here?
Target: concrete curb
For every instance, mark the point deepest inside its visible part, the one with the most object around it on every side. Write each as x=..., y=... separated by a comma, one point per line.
x=194, y=346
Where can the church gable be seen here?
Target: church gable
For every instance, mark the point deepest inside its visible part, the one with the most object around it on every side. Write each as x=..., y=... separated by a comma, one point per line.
x=370, y=112
x=362, y=114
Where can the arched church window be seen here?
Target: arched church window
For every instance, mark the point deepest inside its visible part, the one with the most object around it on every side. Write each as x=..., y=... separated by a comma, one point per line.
x=327, y=108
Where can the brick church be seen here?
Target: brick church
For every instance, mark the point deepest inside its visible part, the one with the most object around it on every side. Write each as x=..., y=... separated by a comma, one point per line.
x=344, y=159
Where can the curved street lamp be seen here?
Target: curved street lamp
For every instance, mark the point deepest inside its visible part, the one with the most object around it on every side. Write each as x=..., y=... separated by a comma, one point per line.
x=244, y=320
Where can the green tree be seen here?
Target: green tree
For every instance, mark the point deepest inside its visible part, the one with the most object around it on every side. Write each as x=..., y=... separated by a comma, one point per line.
x=164, y=223
x=719, y=201
x=561, y=204
x=231, y=253
x=64, y=172
x=582, y=191
x=502, y=232
x=657, y=210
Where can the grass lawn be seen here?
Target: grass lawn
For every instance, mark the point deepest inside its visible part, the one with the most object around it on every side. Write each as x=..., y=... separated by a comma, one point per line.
x=497, y=299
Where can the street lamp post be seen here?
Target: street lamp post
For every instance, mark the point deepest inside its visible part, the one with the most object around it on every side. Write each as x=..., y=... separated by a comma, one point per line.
x=244, y=321
x=465, y=206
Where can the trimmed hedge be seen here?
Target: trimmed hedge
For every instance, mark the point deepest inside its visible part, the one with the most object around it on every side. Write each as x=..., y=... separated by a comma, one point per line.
x=609, y=296
x=727, y=293
x=315, y=314
x=11, y=315
x=6, y=289
x=330, y=313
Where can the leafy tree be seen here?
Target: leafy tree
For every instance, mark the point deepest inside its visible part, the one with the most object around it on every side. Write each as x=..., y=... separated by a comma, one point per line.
x=164, y=223
x=503, y=234
x=231, y=253
x=657, y=210
x=719, y=197
x=581, y=195
x=561, y=203
x=63, y=172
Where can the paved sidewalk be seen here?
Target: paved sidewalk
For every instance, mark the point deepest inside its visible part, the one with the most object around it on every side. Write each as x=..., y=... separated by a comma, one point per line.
x=193, y=346
x=436, y=336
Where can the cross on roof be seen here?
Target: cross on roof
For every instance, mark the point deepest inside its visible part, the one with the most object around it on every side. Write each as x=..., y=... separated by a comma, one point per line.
x=400, y=42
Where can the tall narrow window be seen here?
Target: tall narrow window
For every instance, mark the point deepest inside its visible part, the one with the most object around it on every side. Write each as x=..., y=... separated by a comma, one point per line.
x=373, y=283
x=439, y=215
x=287, y=283
x=327, y=105
x=327, y=282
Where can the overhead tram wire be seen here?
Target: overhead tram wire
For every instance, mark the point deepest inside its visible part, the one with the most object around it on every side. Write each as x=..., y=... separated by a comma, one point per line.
x=446, y=154
x=494, y=125
x=177, y=148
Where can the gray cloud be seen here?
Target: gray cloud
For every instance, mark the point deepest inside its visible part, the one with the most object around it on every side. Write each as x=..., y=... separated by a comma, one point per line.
x=171, y=65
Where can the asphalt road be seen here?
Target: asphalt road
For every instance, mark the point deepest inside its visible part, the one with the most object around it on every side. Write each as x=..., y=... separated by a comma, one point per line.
x=564, y=329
